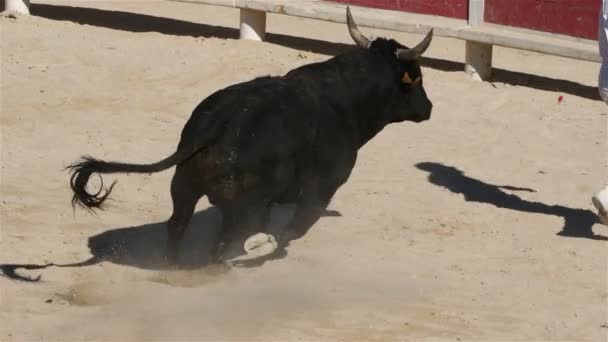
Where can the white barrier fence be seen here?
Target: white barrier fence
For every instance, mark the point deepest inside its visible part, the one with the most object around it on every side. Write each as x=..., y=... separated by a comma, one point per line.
x=480, y=37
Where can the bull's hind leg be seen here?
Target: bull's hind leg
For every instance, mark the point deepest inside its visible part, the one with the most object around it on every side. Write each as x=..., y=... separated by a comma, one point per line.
x=184, y=196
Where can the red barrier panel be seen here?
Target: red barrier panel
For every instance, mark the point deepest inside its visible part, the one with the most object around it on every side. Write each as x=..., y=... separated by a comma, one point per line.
x=446, y=8
x=578, y=18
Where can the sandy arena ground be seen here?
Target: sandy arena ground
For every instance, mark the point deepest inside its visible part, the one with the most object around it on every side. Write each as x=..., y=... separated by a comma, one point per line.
x=428, y=246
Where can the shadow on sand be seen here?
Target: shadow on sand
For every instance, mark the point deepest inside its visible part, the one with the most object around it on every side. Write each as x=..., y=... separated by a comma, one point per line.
x=141, y=246
x=145, y=246
x=577, y=222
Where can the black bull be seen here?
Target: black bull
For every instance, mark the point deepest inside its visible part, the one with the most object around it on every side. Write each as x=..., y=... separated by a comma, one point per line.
x=284, y=139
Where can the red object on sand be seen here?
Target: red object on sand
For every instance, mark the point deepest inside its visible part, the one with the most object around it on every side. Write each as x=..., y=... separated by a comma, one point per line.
x=560, y=99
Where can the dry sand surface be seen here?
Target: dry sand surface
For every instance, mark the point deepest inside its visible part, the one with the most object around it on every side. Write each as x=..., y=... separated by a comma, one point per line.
x=434, y=251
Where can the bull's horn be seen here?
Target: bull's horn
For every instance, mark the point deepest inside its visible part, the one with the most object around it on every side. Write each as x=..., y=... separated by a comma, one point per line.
x=358, y=37
x=415, y=52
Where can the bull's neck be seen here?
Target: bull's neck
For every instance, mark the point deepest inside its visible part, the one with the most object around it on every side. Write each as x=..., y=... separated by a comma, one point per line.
x=372, y=111
x=359, y=85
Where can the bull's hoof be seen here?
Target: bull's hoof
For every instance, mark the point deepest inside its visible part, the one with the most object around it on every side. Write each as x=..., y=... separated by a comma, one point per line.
x=260, y=245
x=256, y=246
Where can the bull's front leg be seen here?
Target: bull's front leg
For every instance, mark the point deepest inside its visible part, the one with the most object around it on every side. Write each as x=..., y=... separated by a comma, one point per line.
x=315, y=198
x=306, y=215
x=262, y=247
x=309, y=209
x=243, y=232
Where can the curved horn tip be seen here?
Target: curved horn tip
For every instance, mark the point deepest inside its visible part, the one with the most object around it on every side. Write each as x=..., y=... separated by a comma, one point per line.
x=355, y=34
x=425, y=42
x=417, y=51
x=430, y=34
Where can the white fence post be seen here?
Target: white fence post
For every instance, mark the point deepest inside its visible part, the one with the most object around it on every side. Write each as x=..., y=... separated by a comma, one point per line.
x=478, y=56
x=253, y=24
x=478, y=60
x=19, y=6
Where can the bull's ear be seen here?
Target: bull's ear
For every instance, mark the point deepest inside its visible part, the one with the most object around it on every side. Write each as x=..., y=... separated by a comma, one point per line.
x=408, y=80
x=415, y=52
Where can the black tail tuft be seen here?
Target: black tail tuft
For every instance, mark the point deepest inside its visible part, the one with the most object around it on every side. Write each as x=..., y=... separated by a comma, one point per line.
x=81, y=171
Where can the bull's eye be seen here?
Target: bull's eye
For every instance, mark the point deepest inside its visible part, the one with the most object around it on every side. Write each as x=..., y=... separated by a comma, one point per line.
x=408, y=80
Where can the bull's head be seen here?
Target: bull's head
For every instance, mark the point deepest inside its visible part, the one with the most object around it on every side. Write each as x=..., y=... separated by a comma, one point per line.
x=412, y=103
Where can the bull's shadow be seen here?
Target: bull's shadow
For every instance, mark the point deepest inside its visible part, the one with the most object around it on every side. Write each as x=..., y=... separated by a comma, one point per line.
x=141, y=246
x=144, y=246
x=577, y=222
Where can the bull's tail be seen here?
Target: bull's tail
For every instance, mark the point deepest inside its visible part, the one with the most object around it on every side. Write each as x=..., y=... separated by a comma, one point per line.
x=82, y=170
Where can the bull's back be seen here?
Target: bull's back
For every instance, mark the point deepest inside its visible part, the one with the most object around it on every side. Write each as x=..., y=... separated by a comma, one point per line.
x=260, y=126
